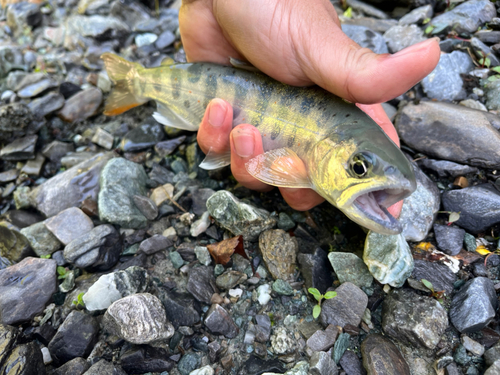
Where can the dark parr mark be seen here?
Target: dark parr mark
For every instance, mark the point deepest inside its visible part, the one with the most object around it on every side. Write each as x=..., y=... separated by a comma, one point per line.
x=187, y=104
x=275, y=133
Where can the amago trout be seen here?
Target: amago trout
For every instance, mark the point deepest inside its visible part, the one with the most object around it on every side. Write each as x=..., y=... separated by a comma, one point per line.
x=349, y=160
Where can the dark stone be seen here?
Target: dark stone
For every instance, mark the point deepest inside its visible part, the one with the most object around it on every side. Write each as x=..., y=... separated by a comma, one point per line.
x=167, y=147
x=449, y=239
x=68, y=89
x=488, y=36
x=146, y=359
x=20, y=149
x=155, y=244
x=441, y=277
x=322, y=341
x=466, y=17
x=8, y=340
x=474, y=305
x=55, y=150
x=218, y=321
x=43, y=333
x=351, y=364
x=347, y=307
x=22, y=218
x=142, y=137
x=14, y=245
x=446, y=168
x=15, y=119
x=201, y=283
x=26, y=288
x=257, y=366
x=24, y=359
x=199, y=200
x=146, y=206
x=482, y=49
x=479, y=270
x=263, y=328
x=316, y=270
x=188, y=363
x=23, y=14
x=104, y=367
x=81, y=105
x=479, y=206
x=382, y=357
x=76, y=366
x=75, y=337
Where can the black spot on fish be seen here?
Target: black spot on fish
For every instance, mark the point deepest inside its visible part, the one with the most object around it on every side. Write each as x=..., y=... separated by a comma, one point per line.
x=187, y=104
x=275, y=133
x=208, y=69
x=291, y=141
x=347, y=115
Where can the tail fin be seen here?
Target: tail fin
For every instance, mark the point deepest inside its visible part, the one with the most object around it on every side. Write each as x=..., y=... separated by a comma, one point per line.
x=122, y=97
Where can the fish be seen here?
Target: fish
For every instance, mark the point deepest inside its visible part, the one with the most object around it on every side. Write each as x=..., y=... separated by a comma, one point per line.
x=348, y=158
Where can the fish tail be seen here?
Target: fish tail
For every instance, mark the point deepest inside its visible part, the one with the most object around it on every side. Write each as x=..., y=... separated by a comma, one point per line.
x=122, y=97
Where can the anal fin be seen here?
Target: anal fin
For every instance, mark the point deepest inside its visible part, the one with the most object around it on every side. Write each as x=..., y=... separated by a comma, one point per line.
x=214, y=161
x=167, y=117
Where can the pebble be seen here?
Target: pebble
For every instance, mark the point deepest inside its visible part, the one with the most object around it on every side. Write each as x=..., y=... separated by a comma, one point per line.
x=377, y=25
x=201, y=225
x=75, y=366
x=181, y=309
x=205, y=370
x=25, y=289
x=340, y=346
x=282, y=288
x=24, y=359
x=322, y=341
x=257, y=366
x=145, y=39
x=47, y=104
x=316, y=270
x=263, y=294
x=56, y=150
x=366, y=37
x=230, y=278
x=447, y=168
x=164, y=40
x=34, y=167
x=161, y=194
x=36, y=88
x=472, y=346
x=417, y=15
x=23, y=15
x=492, y=95
x=350, y=268
x=82, y=105
x=142, y=137
x=382, y=357
x=201, y=283
x=473, y=104
x=449, y=239
x=440, y=276
x=466, y=17
x=351, y=364
x=322, y=364
x=492, y=354
x=347, y=307
x=203, y=255
x=482, y=50
x=20, y=149
x=402, y=36
x=69, y=224
x=279, y=250
x=388, y=258
x=474, y=305
x=14, y=117
x=154, y=244
x=147, y=207
x=188, y=363
x=165, y=148
x=104, y=367
x=219, y=322
x=282, y=342
x=494, y=369
x=103, y=139
x=138, y=319
x=42, y=241
x=146, y=359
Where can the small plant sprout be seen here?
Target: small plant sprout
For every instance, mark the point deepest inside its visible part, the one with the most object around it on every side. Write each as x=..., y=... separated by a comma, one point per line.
x=62, y=272
x=437, y=295
x=79, y=300
x=319, y=297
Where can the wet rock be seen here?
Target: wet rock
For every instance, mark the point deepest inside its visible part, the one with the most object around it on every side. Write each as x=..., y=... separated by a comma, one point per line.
x=146, y=359
x=322, y=341
x=36, y=88
x=381, y=357
x=120, y=180
x=55, y=150
x=147, y=207
x=402, y=36
x=167, y=147
x=218, y=321
x=96, y=26
x=201, y=283
x=230, y=279
x=111, y=287
x=347, y=307
x=22, y=15
x=439, y=129
x=47, y=104
x=417, y=15
x=70, y=188
x=181, y=309
x=98, y=250
x=279, y=253
x=388, y=258
x=76, y=366
x=24, y=359
x=479, y=206
x=472, y=346
x=350, y=268
x=75, y=337
x=409, y=317
x=493, y=369
x=139, y=319
x=165, y=39
x=316, y=270
x=465, y=18
x=257, y=366
x=69, y=224
x=445, y=82
x=144, y=136
x=447, y=168
x=449, y=239
x=474, y=305
x=155, y=244
x=239, y=218
x=493, y=95
x=42, y=241
x=103, y=139
x=81, y=105
x=351, y=364
x=20, y=149
x=25, y=289
x=322, y=364
x=366, y=37
x=34, y=167
x=104, y=367
x=441, y=277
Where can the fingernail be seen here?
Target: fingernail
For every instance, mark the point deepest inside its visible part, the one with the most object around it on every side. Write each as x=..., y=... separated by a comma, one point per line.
x=217, y=113
x=416, y=48
x=243, y=142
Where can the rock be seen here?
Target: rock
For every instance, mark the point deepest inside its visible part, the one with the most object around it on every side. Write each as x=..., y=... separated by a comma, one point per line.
x=316, y=270
x=147, y=207
x=120, y=180
x=138, y=319
x=351, y=364
x=388, y=258
x=14, y=246
x=144, y=136
x=161, y=194
x=494, y=369
x=473, y=104
x=472, y=346
x=340, y=346
x=145, y=39
x=70, y=188
x=69, y=224
x=257, y=366
x=24, y=359
x=379, y=26
x=402, y=36
x=181, y=309
x=206, y=370
x=491, y=355
x=474, y=305
x=449, y=239
x=279, y=253
x=350, y=268
x=76, y=366
x=11, y=58
x=417, y=15
x=230, y=279
x=366, y=38
x=381, y=357
x=82, y=105
x=146, y=359
x=219, y=322
x=98, y=250
x=34, y=167
x=440, y=276
x=420, y=209
x=96, y=26
x=165, y=39
x=322, y=364
x=367, y=9
x=104, y=367
x=445, y=82
x=203, y=255
x=111, y=287
x=75, y=337
x=447, y=168
x=492, y=95
x=103, y=139
x=201, y=283
x=20, y=149
x=322, y=341
x=47, y=104
x=239, y=218
x=23, y=15
x=488, y=36
x=42, y=241
x=55, y=150
x=466, y=17
x=189, y=362
x=347, y=307
x=167, y=147
x=282, y=288
x=479, y=206
x=155, y=244
x=411, y=318
x=481, y=50
x=25, y=289
x=451, y=132
x=282, y=341
x=200, y=226
x=37, y=88
x=8, y=176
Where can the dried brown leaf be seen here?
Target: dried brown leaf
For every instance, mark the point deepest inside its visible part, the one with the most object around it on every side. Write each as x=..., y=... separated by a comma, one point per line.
x=222, y=251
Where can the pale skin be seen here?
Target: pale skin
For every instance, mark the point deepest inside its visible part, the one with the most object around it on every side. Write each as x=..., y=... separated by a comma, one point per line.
x=299, y=43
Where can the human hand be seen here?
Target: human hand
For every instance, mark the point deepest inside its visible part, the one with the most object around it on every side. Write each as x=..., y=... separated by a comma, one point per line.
x=299, y=43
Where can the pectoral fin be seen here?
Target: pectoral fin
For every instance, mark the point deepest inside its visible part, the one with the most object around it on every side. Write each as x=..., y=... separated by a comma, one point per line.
x=215, y=161
x=280, y=167
x=245, y=65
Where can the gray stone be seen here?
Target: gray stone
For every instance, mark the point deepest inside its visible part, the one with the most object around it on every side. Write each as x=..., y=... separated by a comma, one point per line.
x=36, y=88
x=76, y=366
x=466, y=17
x=379, y=26
x=347, y=307
x=382, y=357
x=494, y=369
x=138, y=319
x=103, y=139
x=285, y=222
x=69, y=224
x=176, y=259
x=46, y=104
x=367, y=9
x=145, y=39
x=388, y=258
x=321, y=363
x=417, y=15
x=492, y=90
x=155, y=244
x=449, y=239
x=230, y=278
x=440, y=276
x=23, y=15
x=282, y=288
x=25, y=289
x=402, y=36
x=201, y=283
x=203, y=255
x=322, y=341
x=474, y=305
x=24, y=359
x=181, y=309
x=409, y=317
x=82, y=105
x=472, y=346
x=350, y=268
x=479, y=206
x=20, y=149
x=167, y=147
x=366, y=37
x=42, y=241
x=316, y=270
x=445, y=82
x=120, y=180
x=473, y=104
x=488, y=36
x=239, y=218
x=70, y=188
x=95, y=26
x=34, y=167
x=451, y=132
x=147, y=207
x=189, y=362
x=351, y=364
x=446, y=168
x=144, y=136
x=279, y=251
x=165, y=39
x=104, y=367
x=13, y=245
x=492, y=354
x=218, y=321
x=98, y=250
x=55, y=150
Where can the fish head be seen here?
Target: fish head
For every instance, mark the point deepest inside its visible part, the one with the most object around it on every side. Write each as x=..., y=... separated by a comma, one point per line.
x=362, y=172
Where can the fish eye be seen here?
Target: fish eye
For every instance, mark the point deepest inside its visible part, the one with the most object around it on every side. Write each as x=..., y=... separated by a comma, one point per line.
x=360, y=165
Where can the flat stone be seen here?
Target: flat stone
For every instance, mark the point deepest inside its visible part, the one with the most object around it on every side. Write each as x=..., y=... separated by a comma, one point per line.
x=350, y=268
x=322, y=364
x=382, y=357
x=366, y=37
x=473, y=306
x=440, y=276
x=446, y=168
x=316, y=270
x=69, y=224
x=417, y=15
x=104, y=367
x=24, y=359
x=201, y=283
x=230, y=278
x=142, y=137
x=351, y=364
x=379, y=26
x=258, y=366
x=103, y=139
x=488, y=36
x=449, y=239
x=20, y=149
x=47, y=104
x=388, y=258
x=466, y=17
x=322, y=341
x=165, y=148
x=76, y=366
x=347, y=307
x=472, y=346
x=96, y=25
x=218, y=321
x=34, y=167
x=279, y=251
x=155, y=244
x=492, y=90
x=41, y=239
x=181, y=308
x=402, y=36
x=147, y=207
x=82, y=105
x=138, y=319
x=37, y=88
x=25, y=289
x=146, y=359
x=8, y=176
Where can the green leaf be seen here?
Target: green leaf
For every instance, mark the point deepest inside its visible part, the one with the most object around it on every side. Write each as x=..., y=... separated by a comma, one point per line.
x=348, y=13
x=427, y=284
x=454, y=216
x=315, y=292
x=61, y=271
x=429, y=29
x=316, y=311
x=427, y=20
x=45, y=256
x=329, y=295
x=496, y=69
x=493, y=78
